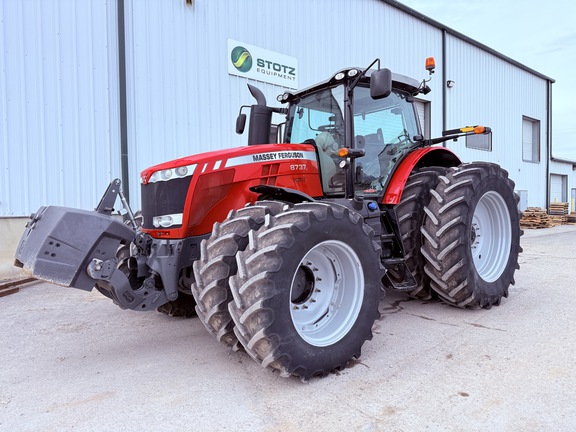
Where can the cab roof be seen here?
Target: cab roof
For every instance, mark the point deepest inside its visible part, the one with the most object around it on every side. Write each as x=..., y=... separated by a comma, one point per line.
x=400, y=82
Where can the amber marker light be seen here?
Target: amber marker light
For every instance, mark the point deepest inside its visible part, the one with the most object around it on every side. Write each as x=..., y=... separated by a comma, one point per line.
x=343, y=152
x=430, y=64
x=479, y=129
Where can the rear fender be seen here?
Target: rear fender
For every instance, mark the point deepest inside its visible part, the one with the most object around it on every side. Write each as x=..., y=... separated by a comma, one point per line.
x=429, y=156
x=60, y=242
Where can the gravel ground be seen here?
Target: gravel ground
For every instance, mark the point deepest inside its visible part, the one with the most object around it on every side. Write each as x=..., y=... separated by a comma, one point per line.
x=72, y=361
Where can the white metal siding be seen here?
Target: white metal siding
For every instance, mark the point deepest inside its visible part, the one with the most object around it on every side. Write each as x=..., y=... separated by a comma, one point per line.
x=59, y=137
x=182, y=100
x=58, y=110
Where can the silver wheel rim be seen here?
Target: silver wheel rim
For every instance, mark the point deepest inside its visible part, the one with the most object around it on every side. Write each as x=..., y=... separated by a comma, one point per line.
x=491, y=236
x=326, y=293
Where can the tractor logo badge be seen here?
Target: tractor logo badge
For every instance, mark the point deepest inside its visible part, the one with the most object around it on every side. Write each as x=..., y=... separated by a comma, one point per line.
x=241, y=59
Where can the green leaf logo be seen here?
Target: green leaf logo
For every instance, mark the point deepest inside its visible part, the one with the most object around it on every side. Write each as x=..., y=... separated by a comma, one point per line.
x=241, y=59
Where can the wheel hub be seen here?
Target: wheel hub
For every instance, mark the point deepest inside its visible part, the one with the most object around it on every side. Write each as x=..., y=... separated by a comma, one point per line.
x=303, y=286
x=326, y=293
x=473, y=234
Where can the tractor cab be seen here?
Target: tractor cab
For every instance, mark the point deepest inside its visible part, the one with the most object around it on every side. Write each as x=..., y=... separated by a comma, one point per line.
x=360, y=130
x=362, y=122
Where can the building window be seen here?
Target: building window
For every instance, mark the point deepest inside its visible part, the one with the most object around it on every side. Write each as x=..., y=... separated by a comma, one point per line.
x=479, y=141
x=423, y=109
x=530, y=139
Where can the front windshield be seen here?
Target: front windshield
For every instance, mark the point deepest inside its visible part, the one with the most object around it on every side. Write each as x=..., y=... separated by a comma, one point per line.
x=385, y=129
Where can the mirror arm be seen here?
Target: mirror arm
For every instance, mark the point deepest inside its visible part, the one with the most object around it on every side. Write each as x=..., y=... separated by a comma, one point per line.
x=361, y=74
x=443, y=139
x=454, y=134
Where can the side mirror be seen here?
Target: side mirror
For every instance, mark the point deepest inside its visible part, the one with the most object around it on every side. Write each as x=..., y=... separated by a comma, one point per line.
x=381, y=83
x=240, y=123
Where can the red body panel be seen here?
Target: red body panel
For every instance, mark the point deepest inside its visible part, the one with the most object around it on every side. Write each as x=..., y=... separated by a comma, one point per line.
x=221, y=181
x=393, y=194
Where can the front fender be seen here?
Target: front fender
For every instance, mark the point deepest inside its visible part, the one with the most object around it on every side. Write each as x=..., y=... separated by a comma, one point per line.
x=429, y=156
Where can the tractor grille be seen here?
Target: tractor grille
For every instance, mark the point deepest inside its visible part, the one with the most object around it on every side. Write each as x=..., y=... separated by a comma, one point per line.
x=163, y=198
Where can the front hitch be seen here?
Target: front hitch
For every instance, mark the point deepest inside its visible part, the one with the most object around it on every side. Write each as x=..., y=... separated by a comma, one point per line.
x=77, y=248
x=80, y=249
x=59, y=243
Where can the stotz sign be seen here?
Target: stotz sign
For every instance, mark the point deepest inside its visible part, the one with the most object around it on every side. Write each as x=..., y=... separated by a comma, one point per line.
x=259, y=64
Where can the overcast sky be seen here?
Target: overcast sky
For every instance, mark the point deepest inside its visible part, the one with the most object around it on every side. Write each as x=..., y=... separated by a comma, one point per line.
x=538, y=34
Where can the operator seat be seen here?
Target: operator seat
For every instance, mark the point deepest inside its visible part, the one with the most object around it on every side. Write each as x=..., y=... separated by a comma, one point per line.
x=373, y=145
x=327, y=146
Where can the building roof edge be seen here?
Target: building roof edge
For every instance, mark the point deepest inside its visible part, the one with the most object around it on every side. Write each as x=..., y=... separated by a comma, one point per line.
x=452, y=32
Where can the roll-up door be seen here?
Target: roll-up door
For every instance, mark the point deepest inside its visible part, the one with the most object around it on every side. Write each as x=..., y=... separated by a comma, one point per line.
x=557, y=189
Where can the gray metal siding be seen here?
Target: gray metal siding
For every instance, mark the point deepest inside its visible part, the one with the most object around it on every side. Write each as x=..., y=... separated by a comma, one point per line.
x=58, y=114
x=489, y=91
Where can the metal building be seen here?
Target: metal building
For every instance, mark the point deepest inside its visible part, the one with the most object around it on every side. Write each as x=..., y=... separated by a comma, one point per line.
x=101, y=89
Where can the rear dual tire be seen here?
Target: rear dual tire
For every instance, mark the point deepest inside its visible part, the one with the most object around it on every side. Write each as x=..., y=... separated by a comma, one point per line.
x=472, y=236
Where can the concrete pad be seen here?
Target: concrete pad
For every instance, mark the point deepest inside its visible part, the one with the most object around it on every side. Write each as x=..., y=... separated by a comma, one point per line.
x=73, y=361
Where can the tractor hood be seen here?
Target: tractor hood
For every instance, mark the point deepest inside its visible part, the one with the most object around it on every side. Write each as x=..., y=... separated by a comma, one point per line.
x=222, y=159
x=184, y=197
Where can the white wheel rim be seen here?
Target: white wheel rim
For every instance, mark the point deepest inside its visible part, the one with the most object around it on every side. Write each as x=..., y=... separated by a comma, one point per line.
x=491, y=236
x=326, y=293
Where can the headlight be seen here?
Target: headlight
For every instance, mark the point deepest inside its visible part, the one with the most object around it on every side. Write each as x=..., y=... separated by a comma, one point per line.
x=169, y=174
x=166, y=221
x=154, y=177
x=181, y=171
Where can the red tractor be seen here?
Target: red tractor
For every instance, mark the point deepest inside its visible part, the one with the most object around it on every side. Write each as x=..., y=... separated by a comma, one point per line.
x=285, y=249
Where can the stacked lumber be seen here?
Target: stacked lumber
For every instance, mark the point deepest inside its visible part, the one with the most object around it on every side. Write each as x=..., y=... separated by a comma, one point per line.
x=13, y=286
x=571, y=219
x=536, y=217
x=558, y=211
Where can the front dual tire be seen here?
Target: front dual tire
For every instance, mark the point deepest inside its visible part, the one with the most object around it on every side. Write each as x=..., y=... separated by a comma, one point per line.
x=307, y=288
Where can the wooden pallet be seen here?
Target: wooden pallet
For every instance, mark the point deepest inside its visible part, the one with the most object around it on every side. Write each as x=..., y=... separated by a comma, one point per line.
x=536, y=217
x=559, y=220
x=558, y=208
